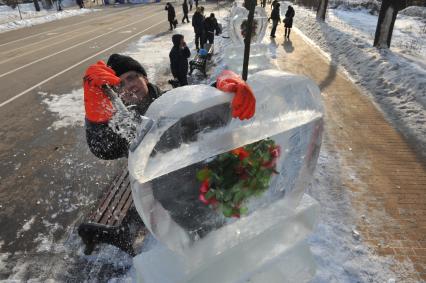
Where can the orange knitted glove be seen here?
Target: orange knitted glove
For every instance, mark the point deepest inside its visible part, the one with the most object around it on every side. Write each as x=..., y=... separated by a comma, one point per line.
x=244, y=103
x=98, y=106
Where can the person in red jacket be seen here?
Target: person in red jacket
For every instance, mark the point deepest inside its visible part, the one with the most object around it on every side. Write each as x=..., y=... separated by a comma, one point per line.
x=137, y=93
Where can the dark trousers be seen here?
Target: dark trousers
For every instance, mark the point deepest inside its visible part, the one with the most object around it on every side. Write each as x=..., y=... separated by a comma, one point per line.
x=172, y=24
x=274, y=27
x=183, y=80
x=210, y=37
x=287, y=32
x=199, y=40
x=185, y=16
x=196, y=3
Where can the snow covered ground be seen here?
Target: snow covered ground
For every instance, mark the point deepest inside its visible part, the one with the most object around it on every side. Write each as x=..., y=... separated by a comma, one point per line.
x=10, y=18
x=340, y=253
x=395, y=78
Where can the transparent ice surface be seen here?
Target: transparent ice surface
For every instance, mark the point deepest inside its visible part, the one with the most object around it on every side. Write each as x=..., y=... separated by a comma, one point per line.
x=259, y=58
x=237, y=24
x=193, y=126
x=276, y=252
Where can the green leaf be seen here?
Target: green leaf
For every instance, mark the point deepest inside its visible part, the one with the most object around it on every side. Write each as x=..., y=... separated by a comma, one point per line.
x=203, y=174
x=243, y=210
x=238, y=197
x=210, y=194
x=227, y=211
x=228, y=196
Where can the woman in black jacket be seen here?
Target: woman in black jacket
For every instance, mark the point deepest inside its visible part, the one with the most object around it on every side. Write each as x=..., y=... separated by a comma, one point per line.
x=179, y=59
x=211, y=27
x=288, y=21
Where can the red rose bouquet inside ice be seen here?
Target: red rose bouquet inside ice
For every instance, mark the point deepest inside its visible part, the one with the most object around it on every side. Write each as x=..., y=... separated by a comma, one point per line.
x=233, y=177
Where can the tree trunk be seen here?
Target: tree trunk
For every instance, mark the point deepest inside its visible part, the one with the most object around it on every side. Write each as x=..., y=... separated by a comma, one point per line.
x=386, y=22
x=322, y=10
x=36, y=5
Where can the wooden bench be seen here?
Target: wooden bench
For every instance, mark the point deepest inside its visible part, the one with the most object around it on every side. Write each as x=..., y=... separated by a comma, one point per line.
x=200, y=62
x=109, y=223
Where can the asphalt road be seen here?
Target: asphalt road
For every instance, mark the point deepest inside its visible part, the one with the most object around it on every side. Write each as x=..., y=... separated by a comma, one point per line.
x=48, y=178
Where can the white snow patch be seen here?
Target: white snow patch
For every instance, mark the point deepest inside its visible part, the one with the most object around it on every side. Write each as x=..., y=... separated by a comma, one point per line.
x=10, y=18
x=414, y=11
x=26, y=226
x=69, y=108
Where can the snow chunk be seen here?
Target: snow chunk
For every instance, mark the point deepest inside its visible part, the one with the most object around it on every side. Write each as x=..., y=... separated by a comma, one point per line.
x=69, y=107
x=414, y=11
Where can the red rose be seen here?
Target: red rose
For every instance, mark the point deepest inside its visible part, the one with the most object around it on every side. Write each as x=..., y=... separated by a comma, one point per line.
x=213, y=201
x=203, y=199
x=241, y=153
x=276, y=151
x=204, y=188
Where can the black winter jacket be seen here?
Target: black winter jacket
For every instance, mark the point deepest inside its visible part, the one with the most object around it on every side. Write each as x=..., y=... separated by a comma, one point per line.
x=198, y=23
x=179, y=57
x=290, y=13
x=171, y=14
x=275, y=14
x=104, y=142
x=185, y=7
x=210, y=25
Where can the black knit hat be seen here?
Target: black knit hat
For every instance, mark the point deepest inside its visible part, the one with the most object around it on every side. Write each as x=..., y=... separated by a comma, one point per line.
x=122, y=64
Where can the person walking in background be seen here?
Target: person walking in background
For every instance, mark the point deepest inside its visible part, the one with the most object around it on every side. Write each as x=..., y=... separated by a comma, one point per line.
x=273, y=4
x=185, y=11
x=288, y=21
x=198, y=24
x=179, y=59
x=171, y=15
x=190, y=4
x=196, y=3
x=275, y=16
x=211, y=26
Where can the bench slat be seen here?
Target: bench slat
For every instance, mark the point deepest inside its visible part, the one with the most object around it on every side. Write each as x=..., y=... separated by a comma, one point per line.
x=126, y=207
x=118, y=209
x=94, y=214
x=112, y=192
x=112, y=205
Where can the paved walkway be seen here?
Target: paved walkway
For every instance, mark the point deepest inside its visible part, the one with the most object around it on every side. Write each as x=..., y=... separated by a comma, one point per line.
x=386, y=178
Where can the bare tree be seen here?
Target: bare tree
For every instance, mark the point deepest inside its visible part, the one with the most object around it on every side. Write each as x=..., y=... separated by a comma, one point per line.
x=386, y=22
x=322, y=9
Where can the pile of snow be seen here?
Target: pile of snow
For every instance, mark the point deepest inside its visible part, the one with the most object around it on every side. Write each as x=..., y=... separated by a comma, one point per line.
x=395, y=78
x=68, y=107
x=415, y=11
x=10, y=19
x=373, y=6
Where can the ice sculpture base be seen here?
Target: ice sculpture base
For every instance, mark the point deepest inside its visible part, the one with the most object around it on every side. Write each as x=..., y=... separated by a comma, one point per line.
x=259, y=58
x=278, y=253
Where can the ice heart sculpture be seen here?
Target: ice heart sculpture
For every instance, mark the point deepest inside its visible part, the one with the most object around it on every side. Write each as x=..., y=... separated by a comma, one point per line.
x=238, y=25
x=198, y=170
